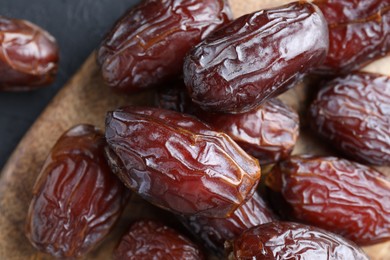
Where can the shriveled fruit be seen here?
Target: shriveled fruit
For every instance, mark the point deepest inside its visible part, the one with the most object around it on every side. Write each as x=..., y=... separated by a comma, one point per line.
x=178, y=163
x=358, y=33
x=287, y=240
x=28, y=55
x=148, y=45
x=336, y=194
x=353, y=112
x=215, y=231
x=76, y=198
x=147, y=239
x=255, y=57
x=268, y=132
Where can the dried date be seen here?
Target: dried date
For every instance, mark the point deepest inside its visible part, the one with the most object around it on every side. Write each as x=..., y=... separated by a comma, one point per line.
x=287, y=240
x=343, y=11
x=353, y=112
x=338, y=195
x=76, y=198
x=215, y=231
x=148, y=45
x=359, y=32
x=178, y=163
x=255, y=57
x=147, y=239
x=268, y=132
x=28, y=55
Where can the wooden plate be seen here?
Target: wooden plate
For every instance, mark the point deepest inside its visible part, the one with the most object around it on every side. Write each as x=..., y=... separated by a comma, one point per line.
x=85, y=99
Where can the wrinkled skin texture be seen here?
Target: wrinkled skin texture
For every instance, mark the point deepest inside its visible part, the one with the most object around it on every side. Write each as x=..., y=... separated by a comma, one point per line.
x=338, y=195
x=255, y=57
x=268, y=132
x=359, y=32
x=147, y=46
x=28, y=55
x=287, y=240
x=151, y=240
x=215, y=231
x=353, y=112
x=76, y=198
x=178, y=163
x=341, y=11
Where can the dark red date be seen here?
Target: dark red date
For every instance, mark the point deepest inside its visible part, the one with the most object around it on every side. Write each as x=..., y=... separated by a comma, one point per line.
x=178, y=163
x=353, y=112
x=151, y=240
x=28, y=55
x=359, y=32
x=255, y=57
x=287, y=240
x=338, y=195
x=147, y=46
x=268, y=132
x=343, y=11
x=215, y=231
x=76, y=198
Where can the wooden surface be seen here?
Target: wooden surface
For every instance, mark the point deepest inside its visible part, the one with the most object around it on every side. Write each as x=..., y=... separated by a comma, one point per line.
x=85, y=99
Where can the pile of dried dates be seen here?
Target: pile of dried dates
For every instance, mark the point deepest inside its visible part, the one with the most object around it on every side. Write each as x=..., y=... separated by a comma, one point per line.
x=215, y=150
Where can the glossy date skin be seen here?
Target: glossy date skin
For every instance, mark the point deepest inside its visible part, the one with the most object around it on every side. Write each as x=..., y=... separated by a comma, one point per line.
x=76, y=198
x=268, y=132
x=342, y=11
x=287, y=240
x=255, y=57
x=215, y=231
x=353, y=113
x=166, y=156
x=28, y=55
x=147, y=239
x=147, y=46
x=338, y=195
x=359, y=32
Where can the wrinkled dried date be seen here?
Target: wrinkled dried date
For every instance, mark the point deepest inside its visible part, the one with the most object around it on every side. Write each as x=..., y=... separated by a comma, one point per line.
x=148, y=45
x=342, y=11
x=215, y=231
x=287, y=240
x=147, y=239
x=354, y=113
x=178, y=163
x=359, y=32
x=255, y=57
x=268, y=132
x=338, y=195
x=76, y=198
x=28, y=55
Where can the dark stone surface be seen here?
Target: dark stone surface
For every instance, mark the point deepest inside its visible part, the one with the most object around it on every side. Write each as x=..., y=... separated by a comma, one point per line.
x=78, y=27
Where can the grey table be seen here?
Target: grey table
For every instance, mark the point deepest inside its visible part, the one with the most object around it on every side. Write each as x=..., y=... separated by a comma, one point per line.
x=78, y=26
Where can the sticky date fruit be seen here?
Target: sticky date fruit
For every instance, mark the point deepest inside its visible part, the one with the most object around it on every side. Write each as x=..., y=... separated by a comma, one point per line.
x=268, y=132
x=353, y=112
x=76, y=198
x=147, y=239
x=215, y=231
x=358, y=33
x=147, y=46
x=255, y=57
x=336, y=194
x=287, y=240
x=343, y=11
x=28, y=55
x=178, y=163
